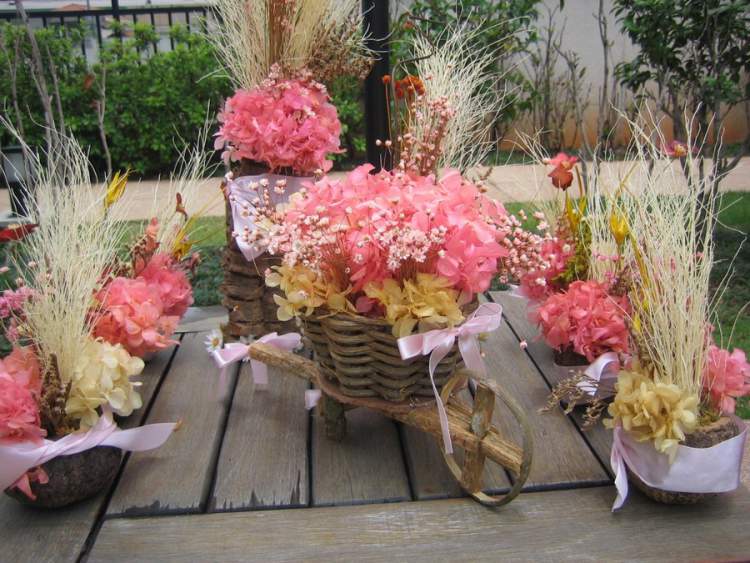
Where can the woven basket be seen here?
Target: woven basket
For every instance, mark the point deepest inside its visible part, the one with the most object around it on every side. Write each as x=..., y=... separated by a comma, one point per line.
x=360, y=355
x=249, y=302
x=704, y=437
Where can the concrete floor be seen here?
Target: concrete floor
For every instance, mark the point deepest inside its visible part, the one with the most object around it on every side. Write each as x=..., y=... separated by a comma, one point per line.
x=505, y=183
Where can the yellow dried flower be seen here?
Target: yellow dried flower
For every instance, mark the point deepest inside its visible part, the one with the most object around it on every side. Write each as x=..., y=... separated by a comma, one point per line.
x=429, y=299
x=116, y=188
x=304, y=293
x=652, y=410
x=619, y=227
x=101, y=376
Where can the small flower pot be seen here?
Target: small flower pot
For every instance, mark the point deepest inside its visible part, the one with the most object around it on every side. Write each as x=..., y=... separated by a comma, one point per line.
x=704, y=437
x=72, y=478
x=567, y=357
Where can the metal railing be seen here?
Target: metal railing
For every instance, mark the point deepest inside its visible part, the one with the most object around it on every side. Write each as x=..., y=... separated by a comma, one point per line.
x=160, y=17
x=376, y=15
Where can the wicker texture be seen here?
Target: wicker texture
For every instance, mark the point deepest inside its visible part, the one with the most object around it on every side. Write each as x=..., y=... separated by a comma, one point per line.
x=704, y=437
x=361, y=356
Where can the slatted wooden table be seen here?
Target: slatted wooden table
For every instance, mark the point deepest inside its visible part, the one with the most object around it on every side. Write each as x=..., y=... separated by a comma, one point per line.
x=251, y=476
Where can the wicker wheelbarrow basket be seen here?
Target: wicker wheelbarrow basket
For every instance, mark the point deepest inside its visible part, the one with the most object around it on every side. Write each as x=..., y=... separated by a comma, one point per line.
x=470, y=425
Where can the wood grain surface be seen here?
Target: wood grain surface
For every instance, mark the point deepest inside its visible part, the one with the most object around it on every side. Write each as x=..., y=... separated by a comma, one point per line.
x=562, y=457
x=264, y=458
x=514, y=310
x=365, y=467
x=570, y=525
x=176, y=477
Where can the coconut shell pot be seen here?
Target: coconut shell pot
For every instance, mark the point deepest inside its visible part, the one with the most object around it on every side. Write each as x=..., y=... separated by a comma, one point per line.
x=704, y=437
x=567, y=357
x=73, y=478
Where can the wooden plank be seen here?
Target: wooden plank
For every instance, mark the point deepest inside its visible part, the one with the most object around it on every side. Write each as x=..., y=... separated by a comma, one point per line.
x=366, y=466
x=176, y=477
x=428, y=474
x=45, y=535
x=263, y=460
x=201, y=319
x=150, y=378
x=514, y=310
x=570, y=525
x=60, y=535
x=562, y=457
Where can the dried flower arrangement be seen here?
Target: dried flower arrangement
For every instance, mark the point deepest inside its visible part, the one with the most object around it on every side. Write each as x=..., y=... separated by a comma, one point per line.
x=145, y=297
x=672, y=413
x=384, y=267
x=61, y=384
x=278, y=127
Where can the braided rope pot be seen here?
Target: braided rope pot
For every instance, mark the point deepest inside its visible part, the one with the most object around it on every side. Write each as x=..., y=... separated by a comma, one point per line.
x=360, y=355
x=704, y=437
x=249, y=302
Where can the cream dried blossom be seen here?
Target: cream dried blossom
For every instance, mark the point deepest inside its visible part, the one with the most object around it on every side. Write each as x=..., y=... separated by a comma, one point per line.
x=101, y=378
x=653, y=410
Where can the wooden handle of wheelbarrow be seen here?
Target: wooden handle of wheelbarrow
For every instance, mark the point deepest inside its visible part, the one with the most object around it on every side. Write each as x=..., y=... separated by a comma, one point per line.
x=470, y=475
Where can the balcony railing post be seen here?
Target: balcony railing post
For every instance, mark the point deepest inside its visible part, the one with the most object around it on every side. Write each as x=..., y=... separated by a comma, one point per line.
x=376, y=116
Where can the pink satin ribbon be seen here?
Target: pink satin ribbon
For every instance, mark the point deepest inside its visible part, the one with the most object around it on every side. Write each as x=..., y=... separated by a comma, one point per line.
x=241, y=198
x=437, y=343
x=694, y=470
x=17, y=459
x=237, y=351
x=603, y=368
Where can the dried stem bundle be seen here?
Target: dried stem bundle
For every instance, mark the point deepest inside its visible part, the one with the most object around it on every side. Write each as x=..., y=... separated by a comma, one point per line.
x=66, y=259
x=454, y=69
x=324, y=36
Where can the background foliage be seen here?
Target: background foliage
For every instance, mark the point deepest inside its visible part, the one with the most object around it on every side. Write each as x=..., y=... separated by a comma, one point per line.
x=152, y=97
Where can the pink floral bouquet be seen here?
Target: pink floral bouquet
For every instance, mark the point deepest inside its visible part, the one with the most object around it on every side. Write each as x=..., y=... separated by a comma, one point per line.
x=141, y=309
x=586, y=319
x=397, y=245
x=284, y=124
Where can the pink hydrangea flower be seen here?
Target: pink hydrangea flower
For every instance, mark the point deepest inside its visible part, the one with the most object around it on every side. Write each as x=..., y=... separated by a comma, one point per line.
x=12, y=301
x=20, y=385
x=538, y=284
x=175, y=291
x=370, y=227
x=22, y=364
x=727, y=377
x=133, y=315
x=585, y=317
x=283, y=124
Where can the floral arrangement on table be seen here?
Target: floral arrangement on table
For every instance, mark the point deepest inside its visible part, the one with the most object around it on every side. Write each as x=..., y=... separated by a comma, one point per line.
x=579, y=297
x=279, y=128
x=147, y=294
x=61, y=384
x=675, y=434
x=385, y=267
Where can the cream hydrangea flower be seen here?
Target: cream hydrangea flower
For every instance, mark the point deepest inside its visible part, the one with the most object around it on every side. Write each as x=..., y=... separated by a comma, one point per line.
x=652, y=410
x=101, y=376
x=429, y=299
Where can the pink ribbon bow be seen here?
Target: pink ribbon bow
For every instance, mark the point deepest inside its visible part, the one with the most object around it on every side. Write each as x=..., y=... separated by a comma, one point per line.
x=17, y=459
x=437, y=343
x=693, y=470
x=237, y=351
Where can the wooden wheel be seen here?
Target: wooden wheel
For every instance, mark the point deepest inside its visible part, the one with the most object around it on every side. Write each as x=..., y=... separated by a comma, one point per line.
x=469, y=476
